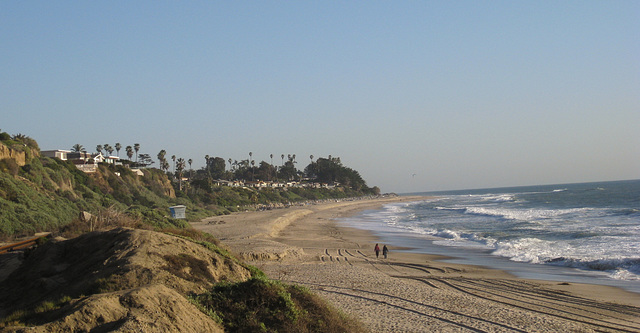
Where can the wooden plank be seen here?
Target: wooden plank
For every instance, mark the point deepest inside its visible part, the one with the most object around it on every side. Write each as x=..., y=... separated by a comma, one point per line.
x=22, y=244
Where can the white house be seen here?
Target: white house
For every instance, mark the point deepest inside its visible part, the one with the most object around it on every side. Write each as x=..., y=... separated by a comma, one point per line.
x=99, y=158
x=58, y=153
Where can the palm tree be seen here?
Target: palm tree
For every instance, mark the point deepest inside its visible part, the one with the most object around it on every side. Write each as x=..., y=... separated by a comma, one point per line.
x=108, y=149
x=161, y=155
x=136, y=147
x=250, y=155
x=129, y=150
x=173, y=157
x=99, y=149
x=292, y=160
x=24, y=139
x=20, y=137
x=181, y=165
x=230, y=163
x=271, y=156
x=118, y=147
x=190, y=168
x=206, y=166
x=78, y=148
x=164, y=165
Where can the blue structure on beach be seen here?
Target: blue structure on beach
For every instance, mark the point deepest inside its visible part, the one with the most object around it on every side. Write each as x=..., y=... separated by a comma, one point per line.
x=178, y=212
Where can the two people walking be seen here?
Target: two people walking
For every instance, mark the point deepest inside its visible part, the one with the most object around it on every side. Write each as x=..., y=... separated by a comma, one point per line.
x=385, y=250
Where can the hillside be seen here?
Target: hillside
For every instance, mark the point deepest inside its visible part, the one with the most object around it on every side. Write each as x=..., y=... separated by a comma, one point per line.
x=47, y=194
x=127, y=280
x=117, y=262
x=39, y=193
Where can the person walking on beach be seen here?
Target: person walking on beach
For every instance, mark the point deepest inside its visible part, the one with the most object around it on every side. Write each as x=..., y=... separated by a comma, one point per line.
x=377, y=249
x=385, y=251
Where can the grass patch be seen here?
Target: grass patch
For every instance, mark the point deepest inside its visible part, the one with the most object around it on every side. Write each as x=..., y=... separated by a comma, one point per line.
x=24, y=317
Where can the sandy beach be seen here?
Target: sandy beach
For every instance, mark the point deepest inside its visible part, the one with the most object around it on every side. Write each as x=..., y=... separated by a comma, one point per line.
x=411, y=292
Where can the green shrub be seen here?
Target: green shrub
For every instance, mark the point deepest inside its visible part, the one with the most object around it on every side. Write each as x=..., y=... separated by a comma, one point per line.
x=9, y=165
x=25, y=209
x=260, y=304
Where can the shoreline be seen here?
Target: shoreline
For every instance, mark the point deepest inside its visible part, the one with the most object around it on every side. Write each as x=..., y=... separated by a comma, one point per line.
x=416, y=291
x=523, y=270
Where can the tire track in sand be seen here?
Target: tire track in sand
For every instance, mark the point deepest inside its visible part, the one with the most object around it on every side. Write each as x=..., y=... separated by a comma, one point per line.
x=555, y=306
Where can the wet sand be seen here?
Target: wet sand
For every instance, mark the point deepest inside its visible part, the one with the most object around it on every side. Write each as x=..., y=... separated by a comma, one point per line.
x=411, y=292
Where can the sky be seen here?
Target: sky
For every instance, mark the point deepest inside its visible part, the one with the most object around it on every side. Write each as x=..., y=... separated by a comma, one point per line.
x=415, y=95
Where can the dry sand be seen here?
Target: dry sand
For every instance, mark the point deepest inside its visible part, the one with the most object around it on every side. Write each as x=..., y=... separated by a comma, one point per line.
x=412, y=292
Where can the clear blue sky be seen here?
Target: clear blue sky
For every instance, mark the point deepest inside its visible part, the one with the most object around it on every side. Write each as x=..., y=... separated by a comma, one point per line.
x=463, y=94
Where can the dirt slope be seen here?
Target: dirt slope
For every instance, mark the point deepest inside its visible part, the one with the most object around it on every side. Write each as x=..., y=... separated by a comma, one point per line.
x=137, y=280
x=152, y=308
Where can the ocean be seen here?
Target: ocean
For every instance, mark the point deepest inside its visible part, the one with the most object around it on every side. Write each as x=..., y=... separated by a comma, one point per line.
x=588, y=232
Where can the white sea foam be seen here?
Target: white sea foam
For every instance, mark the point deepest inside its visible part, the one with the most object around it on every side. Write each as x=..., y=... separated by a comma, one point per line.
x=571, y=226
x=524, y=214
x=499, y=198
x=564, y=253
x=530, y=250
x=454, y=238
x=625, y=274
x=451, y=208
x=461, y=243
x=620, y=269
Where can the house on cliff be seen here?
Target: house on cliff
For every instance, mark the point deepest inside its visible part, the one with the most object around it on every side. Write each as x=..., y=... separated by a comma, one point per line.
x=99, y=158
x=84, y=161
x=58, y=153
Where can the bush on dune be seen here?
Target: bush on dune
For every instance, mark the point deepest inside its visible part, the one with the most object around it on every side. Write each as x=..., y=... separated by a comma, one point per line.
x=263, y=305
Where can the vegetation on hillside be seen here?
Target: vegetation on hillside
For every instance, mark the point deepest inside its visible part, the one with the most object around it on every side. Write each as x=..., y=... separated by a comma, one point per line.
x=48, y=194
x=20, y=142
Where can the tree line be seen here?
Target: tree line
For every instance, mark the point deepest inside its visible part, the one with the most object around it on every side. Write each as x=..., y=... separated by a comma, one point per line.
x=329, y=170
